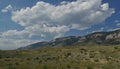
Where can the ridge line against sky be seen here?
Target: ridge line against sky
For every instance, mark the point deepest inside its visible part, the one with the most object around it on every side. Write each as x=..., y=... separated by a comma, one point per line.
x=25, y=22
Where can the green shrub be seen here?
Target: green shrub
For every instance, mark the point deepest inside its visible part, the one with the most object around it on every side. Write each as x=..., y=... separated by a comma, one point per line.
x=115, y=47
x=45, y=67
x=68, y=66
x=89, y=67
x=96, y=60
x=11, y=67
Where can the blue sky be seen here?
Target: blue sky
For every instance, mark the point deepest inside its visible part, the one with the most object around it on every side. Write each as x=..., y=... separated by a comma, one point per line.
x=23, y=22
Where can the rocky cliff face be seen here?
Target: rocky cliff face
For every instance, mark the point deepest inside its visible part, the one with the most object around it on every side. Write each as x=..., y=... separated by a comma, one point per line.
x=97, y=38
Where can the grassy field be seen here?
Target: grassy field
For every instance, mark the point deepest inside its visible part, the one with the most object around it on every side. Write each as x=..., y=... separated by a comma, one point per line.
x=74, y=57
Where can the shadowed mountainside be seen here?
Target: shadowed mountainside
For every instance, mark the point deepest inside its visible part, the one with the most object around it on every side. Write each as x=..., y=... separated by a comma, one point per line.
x=97, y=38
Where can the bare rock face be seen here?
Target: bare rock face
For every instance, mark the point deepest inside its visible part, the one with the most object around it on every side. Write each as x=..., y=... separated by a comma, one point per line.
x=113, y=36
x=119, y=35
x=97, y=38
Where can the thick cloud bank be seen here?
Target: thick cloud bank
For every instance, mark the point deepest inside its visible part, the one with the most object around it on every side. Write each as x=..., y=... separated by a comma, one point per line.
x=47, y=20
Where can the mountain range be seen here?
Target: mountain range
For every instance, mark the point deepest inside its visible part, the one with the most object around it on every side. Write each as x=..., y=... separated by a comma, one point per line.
x=96, y=38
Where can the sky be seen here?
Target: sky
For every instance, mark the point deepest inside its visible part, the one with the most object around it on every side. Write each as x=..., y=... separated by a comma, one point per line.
x=23, y=22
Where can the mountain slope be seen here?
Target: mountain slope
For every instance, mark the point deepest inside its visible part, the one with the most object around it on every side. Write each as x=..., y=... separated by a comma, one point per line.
x=59, y=42
x=97, y=38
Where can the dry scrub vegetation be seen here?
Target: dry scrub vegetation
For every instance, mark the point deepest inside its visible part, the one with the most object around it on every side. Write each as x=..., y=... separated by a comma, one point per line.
x=74, y=57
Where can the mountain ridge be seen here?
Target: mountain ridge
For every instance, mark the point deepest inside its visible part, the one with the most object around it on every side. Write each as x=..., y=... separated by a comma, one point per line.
x=96, y=38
